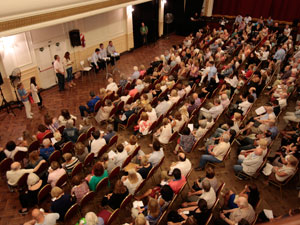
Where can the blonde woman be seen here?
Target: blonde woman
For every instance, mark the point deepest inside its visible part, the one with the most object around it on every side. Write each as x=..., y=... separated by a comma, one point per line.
x=103, y=113
x=61, y=202
x=91, y=219
x=132, y=181
x=143, y=124
x=177, y=122
x=164, y=133
x=151, y=113
x=174, y=97
x=184, y=113
x=80, y=151
x=71, y=162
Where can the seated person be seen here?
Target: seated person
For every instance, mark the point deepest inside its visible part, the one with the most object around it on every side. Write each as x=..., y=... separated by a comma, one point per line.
x=139, y=85
x=143, y=125
x=136, y=73
x=178, y=181
x=183, y=164
x=70, y=133
x=104, y=111
x=97, y=142
x=98, y=173
x=90, y=104
x=145, y=167
x=85, y=125
x=151, y=113
x=115, y=198
x=34, y=159
x=47, y=149
x=163, y=106
x=81, y=151
x=61, y=202
x=123, y=118
x=216, y=153
x=11, y=149
x=121, y=155
x=108, y=163
x=177, y=121
x=70, y=162
x=174, y=97
x=112, y=86
x=186, y=142
x=30, y=197
x=244, y=211
x=55, y=172
x=132, y=145
x=132, y=181
x=60, y=141
x=39, y=217
x=16, y=172
x=201, y=131
x=158, y=153
x=214, y=111
x=66, y=117
x=110, y=133
x=164, y=133
x=80, y=188
x=208, y=194
x=42, y=131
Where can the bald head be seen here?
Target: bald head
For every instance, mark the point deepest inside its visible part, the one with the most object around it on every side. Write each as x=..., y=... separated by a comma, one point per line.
x=242, y=202
x=37, y=215
x=15, y=166
x=181, y=156
x=195, y=96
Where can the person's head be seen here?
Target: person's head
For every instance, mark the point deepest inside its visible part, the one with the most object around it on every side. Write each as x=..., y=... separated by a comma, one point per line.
x=202, y=205
x=142, y=67
x=66, y=114
x=67, y=157
x=57, y=136
x=263, y=143
x=120, y=147
x=15, y=166
x=140, y=220
x=32, y=80
x=186, y=131
x=181, y=157
x=67, y=55
x=119, y=187
x=166, y=193
x=206, y=185
x=209, y=172
x=135, y=68
x=292, y=160
x=10, y=146
x=101, y=45
x=242, y=202
x=132, y=176
x=110, y=43
x=144, y=160
x=91, y=218
x=177, y=174
x=165, y=121
x=56, y=57
x=174, y=93
x=34, y=156
x=153, y=208
x=237, y=116
x=110, y=128
x=79, y=148
x=202, y=124
x=54, y=165
x=37, y=215
x=56, y=192
x=156, y=145
x=70, y=124
x=224, y=97
x=250, y=98
x=42, y=128
x=96, y=134
x=97, y=50
x=144, y=116
x=76, y=180
x=46, y=143
x=209, y=118
x=139, y=82
x=225, y=138
x=98, y=169
x=217, y=101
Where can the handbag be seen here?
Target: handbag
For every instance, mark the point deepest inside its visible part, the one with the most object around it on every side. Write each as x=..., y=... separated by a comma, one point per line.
x=30, y=99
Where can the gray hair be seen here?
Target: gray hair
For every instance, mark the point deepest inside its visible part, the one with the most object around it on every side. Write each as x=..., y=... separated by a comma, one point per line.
x=226, y=138
x=202, y=123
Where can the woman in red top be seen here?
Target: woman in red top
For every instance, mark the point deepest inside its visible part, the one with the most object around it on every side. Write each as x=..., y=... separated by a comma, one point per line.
x=42, y=131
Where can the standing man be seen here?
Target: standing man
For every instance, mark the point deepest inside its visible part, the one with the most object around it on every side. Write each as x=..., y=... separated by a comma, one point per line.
x=111, y=52
x=60, y=73
x=25, y=100
x=144, y=33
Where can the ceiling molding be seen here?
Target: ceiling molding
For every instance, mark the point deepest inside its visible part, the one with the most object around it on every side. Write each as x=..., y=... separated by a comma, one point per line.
x=47, y=19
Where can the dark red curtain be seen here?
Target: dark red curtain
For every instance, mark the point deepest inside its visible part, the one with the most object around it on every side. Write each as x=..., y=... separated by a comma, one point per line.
x=287, y=10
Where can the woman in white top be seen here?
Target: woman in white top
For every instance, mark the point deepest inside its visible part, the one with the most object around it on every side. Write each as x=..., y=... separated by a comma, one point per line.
x=132, y=181
x=104, y=111
x=66, y=117
x=35, y=93
x=68, y=66
x=177, y=122
x=151, y=113
x=164, y=132
x=174, y=97
x=11, y=149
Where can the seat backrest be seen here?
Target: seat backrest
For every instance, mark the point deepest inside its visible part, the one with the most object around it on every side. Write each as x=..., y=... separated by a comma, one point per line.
x=42, y=168
x=135, y=152
x=71, y=212
x=174, y=135
x=89, y=132
x=88, y=160
x=209, y=219
x=113, y=216
x=103, y=183
x=131, y=119
x=77, y=169
x=22, y=182
x=161, y=162
x=87, y=198
x=151, y=172
x=5, y=165
x=115, y=171
x=19, y=156
x=160, y=220
x=140, y=186
x=97, y=106
x=48, y=135
x=102, y=151
x=120, y=106
x=220, y=188
x=55, y=156
x=113, y=140
x=44, y=192
x=62, y=180
x=81, y=138
x=127, y=161
x=126, y=201
x=34, y=146
x=67, y=147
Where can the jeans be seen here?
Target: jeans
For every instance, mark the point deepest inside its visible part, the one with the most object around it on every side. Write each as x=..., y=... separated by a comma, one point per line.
x=83, y=109
x=69, y=74
x=61, y=81
x=238, y=168
x=207, y=158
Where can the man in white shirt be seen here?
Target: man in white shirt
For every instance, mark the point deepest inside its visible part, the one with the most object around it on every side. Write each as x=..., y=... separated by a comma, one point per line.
x=120, y=156
x=214, y=111
x=183, y=164
x=97, y=142
x=224, y=100
x=17, y=172
x=163, y=106
x=216, y=153
x=12, y=149
x=112, y=86
x=60, y=73
x=157, y=154
x=244, y=106
x=41, y=218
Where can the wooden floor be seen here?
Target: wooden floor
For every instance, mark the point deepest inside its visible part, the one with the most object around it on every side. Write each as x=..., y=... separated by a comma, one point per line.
x=12, y=127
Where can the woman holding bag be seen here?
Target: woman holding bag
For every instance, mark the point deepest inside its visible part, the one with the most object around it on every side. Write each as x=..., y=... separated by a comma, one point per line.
x=68, y=66
x=35, y=93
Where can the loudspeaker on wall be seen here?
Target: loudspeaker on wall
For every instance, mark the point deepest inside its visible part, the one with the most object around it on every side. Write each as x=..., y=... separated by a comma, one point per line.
x=75, y=38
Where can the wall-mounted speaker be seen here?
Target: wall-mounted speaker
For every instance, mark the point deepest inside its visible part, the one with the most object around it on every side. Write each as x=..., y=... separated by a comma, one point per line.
x=75, y=38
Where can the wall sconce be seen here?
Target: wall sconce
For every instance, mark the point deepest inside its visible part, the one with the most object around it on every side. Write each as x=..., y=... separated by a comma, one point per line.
x=57, y=44
x=129, y=9
x=41, y=49
x=164, y=2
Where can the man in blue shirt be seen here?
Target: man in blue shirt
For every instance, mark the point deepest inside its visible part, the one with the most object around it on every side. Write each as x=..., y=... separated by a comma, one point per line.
x=212, y=71
x=25, y=100
x=280, y=54
x=90, y=105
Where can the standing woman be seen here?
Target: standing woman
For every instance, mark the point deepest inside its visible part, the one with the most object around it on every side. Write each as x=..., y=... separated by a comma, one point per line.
x=68, y=66
x=35, y=93
x=25, y=100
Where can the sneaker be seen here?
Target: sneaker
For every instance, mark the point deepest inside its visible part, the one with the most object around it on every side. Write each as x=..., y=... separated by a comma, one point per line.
x=23, y=212
x=29, y=117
